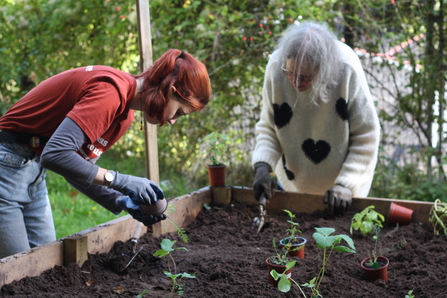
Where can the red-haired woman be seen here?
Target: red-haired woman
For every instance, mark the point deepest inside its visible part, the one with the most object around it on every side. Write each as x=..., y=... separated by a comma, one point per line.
x=66, y=122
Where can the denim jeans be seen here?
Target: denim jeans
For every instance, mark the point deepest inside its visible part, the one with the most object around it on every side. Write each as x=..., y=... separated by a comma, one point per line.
x=26, y=219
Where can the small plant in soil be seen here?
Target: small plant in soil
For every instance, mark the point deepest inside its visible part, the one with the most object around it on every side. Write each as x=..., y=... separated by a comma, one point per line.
x=378, y=249
x=291, y=232
x=328, y=243
x=438, y=217
x=167, y=246
x=218, y=146
x=281, y=256
x=365, y=220
x=285, y=281
x=180, y=231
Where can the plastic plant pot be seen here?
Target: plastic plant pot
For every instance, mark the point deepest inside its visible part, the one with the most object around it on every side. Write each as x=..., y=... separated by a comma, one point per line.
x=298, y=242
x=399, y=214
x=372, y=274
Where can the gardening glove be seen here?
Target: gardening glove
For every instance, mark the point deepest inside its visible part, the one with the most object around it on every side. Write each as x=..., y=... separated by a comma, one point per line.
x=142, y=191
x=127, y=204
x=339, y=198
x=263, y=182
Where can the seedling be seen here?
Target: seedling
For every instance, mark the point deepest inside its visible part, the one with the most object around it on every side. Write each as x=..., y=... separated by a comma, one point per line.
x=167, y=246
x=378, y=251
x=366, y=220
x=438, y=217
x=218, y=146
x=281, y=256
x=285, y=281
x=180, y=231
x=293, y=225
x=291, y=232
x=328, y=243
x=176, y=287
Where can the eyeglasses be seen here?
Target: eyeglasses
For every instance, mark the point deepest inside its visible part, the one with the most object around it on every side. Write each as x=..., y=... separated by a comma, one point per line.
x=293, y=76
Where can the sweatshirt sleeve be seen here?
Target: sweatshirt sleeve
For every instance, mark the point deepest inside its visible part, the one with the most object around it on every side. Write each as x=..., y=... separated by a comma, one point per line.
x=60, y=154
x=104, y=196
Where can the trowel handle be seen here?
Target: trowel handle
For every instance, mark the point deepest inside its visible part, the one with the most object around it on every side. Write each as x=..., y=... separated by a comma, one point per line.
x=262, y=200
x=137, y=231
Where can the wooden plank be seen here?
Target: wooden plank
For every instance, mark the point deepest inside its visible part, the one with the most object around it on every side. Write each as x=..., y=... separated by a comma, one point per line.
x=31, y=262
x=308, y=203
x=75, y=250
x=146, y=61
x=420, y=209
x=34, y=261
x=101, y=238
x=221, y=195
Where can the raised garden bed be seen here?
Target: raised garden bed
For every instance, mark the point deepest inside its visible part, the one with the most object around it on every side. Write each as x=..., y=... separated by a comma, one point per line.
x=228, y=257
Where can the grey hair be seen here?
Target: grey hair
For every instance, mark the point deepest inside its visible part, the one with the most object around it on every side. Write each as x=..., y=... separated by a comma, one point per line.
x=315, y=44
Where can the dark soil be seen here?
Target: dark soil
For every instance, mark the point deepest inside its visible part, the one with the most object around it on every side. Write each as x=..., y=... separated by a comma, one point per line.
x=228, y=259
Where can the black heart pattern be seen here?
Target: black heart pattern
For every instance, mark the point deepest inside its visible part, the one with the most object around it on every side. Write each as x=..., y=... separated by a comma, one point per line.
x=316, y=152
x=342, y=109
x=290, y=174
x=282, y=114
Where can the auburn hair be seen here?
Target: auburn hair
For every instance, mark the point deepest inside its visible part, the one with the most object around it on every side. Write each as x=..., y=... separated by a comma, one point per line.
x=178, y=69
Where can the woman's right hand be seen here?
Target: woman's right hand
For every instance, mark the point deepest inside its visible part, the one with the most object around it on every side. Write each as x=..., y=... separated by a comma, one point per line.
x=142, y=191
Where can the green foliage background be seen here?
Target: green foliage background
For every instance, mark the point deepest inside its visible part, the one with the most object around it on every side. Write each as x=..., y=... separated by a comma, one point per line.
x=40, y=38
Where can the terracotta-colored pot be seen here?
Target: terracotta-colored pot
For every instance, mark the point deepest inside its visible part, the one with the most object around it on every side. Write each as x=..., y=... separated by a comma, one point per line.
x=216, y=175
x=372, y=274
x=279, y=269
x=399, y=214
x=300, y=242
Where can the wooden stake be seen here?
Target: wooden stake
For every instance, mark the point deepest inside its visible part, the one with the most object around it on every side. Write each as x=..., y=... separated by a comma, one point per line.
x=75, y=250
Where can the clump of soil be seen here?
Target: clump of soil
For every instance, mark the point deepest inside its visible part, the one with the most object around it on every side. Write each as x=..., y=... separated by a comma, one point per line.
x=228, y=259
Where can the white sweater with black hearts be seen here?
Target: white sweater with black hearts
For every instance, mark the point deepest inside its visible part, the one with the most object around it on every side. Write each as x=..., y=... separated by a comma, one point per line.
x=312, y=147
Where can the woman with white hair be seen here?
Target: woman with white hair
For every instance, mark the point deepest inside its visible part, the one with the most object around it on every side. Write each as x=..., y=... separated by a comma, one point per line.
x=318, y=130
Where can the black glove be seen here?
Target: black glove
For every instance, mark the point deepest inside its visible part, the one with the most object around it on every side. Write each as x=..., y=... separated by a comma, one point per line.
x=127, y=204
x=141, y=190
x=339, y=199
x=263, y=182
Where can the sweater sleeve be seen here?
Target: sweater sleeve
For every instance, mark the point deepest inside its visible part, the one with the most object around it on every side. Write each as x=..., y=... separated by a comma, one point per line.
x=357, y=171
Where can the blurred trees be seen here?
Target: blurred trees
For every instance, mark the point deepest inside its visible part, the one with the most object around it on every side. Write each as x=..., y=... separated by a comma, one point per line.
x=234, y=39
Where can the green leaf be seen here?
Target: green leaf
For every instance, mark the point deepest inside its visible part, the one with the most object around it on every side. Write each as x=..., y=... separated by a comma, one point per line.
x=161, y=253
x=284, y=284
x=348, y=240
x=275, y=274
x=322, y=237
x=343, y=249
x=167, y=244
x=290, y=265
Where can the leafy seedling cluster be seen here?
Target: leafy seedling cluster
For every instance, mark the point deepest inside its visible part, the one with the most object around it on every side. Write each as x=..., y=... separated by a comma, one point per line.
x=218, y=147
x=366, y=220
x=328, y=243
